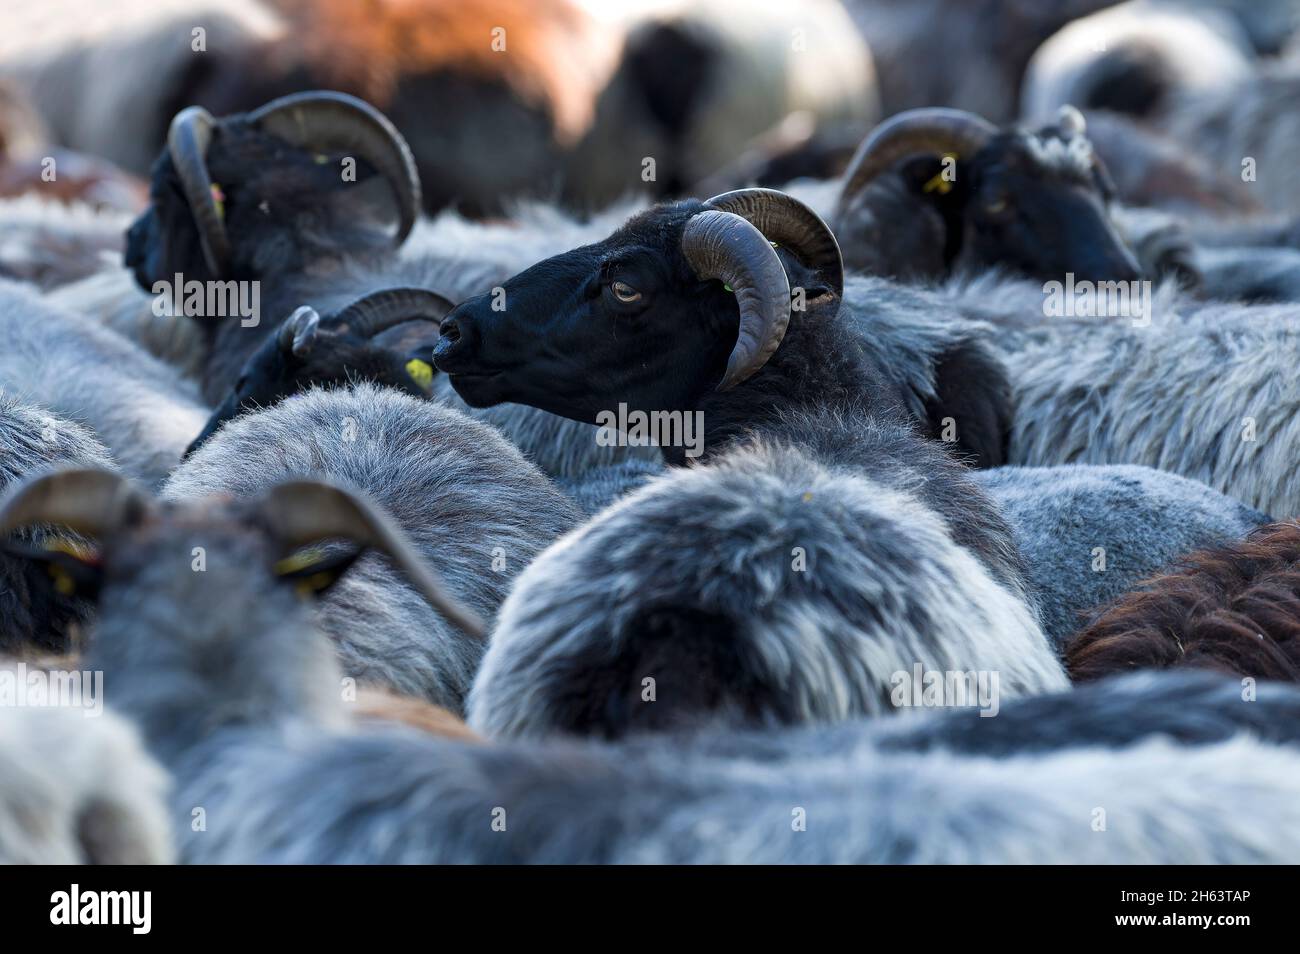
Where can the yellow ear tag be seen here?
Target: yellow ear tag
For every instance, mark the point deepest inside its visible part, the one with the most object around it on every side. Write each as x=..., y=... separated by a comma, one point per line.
x=939, y=183
x=421, y=372
x=728, y=288
x=62, y=580
x=297, y=561
x=219, y=200
x=313, y=584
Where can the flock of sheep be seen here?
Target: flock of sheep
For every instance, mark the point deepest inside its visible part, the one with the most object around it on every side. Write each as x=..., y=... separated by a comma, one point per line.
x=965, y=530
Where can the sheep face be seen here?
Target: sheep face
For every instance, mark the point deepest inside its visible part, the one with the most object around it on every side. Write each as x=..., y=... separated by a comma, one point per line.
x=626, y=320
x=164, y=241
x=178, y=584
x=273, y=190
x=762, y=589
x=386, y=337
x=967, y=196
x=282, y=208
x=1033, y=203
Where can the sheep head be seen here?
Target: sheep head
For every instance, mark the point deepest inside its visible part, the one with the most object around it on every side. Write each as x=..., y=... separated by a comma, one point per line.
x=1033, y=201
x=256, y=193
x=683, y=299
x=386, y=337
x=217, y=553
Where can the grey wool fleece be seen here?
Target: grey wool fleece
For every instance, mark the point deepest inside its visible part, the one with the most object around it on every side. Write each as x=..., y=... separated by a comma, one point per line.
x=1091, y=533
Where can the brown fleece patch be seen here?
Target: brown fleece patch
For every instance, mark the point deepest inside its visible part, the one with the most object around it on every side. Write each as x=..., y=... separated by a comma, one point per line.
x=383, y=705
x=1234, y=609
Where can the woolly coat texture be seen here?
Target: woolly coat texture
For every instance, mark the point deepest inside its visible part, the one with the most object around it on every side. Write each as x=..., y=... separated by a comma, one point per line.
x=32, y=441
x=1091, y=533
x=1229, y=608
x=475, y=508
x=140, y=408
x=765, y=587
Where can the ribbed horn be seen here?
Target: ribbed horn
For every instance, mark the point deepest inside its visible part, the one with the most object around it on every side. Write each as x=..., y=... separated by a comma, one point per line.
x=91, y=502
x=787, y=221
x=725, y=246
x=303, y=512
x=188, y=141
x=337, y=122
x=928, y=131
x=379, y=311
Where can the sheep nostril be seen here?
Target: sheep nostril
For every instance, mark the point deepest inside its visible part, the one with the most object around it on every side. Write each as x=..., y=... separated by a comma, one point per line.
x=450, y=330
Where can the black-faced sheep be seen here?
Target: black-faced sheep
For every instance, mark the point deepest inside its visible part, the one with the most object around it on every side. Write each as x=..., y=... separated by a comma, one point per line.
x=805, y=412
x=933, y=191
x=250, y=199
x=362, y=342
x=308, y=256
x=471, y=503
x=1234, y=608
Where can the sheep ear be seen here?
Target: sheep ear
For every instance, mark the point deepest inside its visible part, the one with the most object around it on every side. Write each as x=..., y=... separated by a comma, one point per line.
x=313, y=571
x=415, y=340
x=74, y=570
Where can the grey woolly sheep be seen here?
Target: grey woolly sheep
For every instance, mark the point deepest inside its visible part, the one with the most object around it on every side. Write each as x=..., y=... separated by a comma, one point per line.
x=473, y=505
x=258, y=735
x=33, y=616
x=1091, y=533
x=142, y=410
x=1205, y=391
x=1137, y=58
x=763, y=588
x=1225, y=791
x=51, y=244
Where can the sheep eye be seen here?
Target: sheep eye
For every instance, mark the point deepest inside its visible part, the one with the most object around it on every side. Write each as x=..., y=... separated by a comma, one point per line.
x=624, y=292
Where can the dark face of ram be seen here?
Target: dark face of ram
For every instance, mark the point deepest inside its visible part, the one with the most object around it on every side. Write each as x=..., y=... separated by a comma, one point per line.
x=386, y=337
x=622, y=320
x=164, y=241
x=269, y=192
x=950, y=191
x=1040, y=210
x=654, y=317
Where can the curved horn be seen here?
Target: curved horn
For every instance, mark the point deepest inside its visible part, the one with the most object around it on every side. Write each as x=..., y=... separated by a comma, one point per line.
x=91, y=502
x=787, y=221
x=932, y=130
x=298, y=332
x=725, y=246
x=303, y=512
x=322, y=119
x=188, y=140
x=381, y=310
